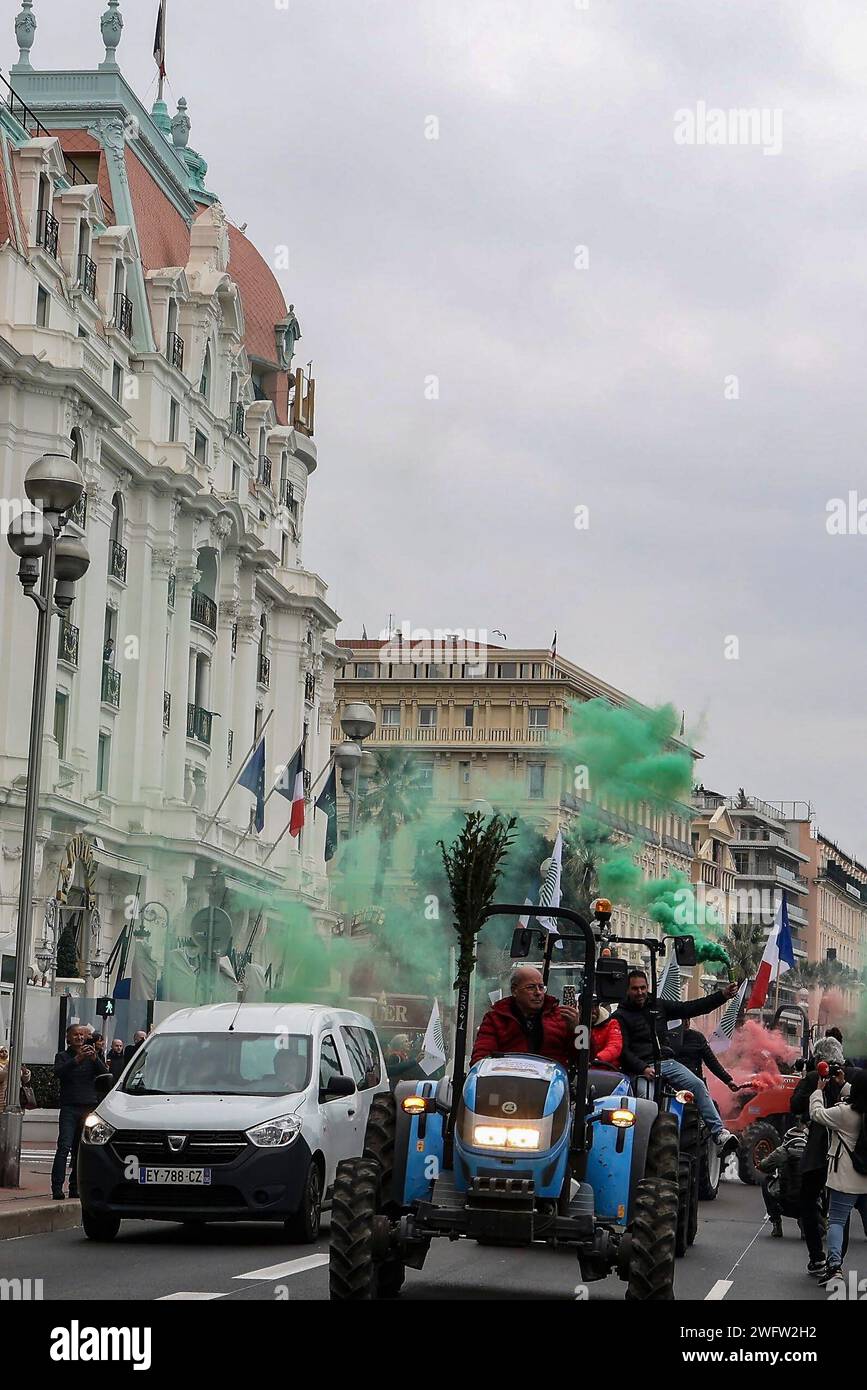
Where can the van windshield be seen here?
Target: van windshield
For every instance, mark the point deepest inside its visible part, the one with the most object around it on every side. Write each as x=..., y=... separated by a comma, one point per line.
x=219, y=1064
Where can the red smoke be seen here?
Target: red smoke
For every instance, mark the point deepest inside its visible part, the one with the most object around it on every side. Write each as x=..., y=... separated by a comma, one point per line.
x=753, y=1058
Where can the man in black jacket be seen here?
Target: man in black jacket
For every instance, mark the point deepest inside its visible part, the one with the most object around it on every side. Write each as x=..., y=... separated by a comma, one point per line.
x=695, y=1052
x=76, y=1069
x=636, y=1025
x=814, y=1161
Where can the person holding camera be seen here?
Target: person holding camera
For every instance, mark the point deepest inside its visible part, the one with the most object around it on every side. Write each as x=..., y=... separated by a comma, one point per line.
x=814, y=1160
x=847, y=1175
x=76, y=1069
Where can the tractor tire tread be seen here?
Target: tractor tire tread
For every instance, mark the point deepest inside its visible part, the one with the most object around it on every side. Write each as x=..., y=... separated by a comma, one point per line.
x=654, y=1232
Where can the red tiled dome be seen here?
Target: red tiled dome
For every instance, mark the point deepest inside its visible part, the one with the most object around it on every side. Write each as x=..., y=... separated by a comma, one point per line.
x=261, y=295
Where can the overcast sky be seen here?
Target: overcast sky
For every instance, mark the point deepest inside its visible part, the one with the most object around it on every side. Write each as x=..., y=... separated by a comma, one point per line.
x=607, y=387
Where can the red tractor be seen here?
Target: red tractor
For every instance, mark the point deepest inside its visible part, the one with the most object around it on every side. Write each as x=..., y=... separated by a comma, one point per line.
x=765, y=1105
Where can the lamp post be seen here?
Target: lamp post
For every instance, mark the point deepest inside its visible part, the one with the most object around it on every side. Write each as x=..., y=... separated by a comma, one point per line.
x=358, y=722
x=53, y=484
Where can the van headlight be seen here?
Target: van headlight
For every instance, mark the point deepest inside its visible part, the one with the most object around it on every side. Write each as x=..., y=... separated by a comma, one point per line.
x=275, y=1134
x=96, y=1130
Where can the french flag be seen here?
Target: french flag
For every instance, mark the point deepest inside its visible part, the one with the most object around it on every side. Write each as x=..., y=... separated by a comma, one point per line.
x=778, y=958
x=291, y=785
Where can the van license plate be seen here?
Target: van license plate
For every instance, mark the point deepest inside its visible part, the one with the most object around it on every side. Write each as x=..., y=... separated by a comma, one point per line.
x=175, y=1177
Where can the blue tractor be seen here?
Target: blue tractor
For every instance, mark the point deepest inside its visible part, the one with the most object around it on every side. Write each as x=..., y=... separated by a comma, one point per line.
x=518, y=1151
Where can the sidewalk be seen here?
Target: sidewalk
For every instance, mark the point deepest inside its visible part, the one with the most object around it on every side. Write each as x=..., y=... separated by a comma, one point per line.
x=29, y=1210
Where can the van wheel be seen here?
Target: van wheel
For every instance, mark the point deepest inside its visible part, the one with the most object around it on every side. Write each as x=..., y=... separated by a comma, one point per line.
x=98, y=1227
x=304, y=1225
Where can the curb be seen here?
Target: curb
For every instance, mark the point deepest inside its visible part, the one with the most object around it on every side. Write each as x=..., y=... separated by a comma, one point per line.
x=40, y=1220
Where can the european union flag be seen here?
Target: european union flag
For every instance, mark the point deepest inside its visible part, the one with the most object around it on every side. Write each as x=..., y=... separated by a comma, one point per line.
x=253, y=778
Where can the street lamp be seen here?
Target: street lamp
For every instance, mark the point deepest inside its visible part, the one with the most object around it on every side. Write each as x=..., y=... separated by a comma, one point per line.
x=54, y=483
x=358, y=722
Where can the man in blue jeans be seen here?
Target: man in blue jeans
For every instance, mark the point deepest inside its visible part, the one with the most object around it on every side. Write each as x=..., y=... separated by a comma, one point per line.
x=636, y=1025
x=76, y=1069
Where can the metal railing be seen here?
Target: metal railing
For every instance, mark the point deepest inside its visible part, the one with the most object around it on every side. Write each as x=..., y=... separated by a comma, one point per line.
x=230, y=747
x=175, y=351
x=67, y=647
x=34, y=127
x=199, y=724
x=87, y=275
x=240, y=420
x=234, y=638
x=47, y=231
x=172, y=590
x=203, y=610
x=264, y=676
x=288, y=499
x=78, y=513
x=264, y=474
x=167, y=710
x=117, y=557
x=309, y=687
x=123, y=314
x=111, y=687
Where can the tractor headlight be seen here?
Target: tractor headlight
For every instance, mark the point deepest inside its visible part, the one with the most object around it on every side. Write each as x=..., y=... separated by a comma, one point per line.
x=96, y=1130
x=275, y=1134
x=623, y=1119
x=502, y=1137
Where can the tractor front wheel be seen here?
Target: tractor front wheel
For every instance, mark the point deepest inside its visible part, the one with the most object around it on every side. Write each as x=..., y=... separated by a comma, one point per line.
x=662, y=1149
x=351, y=1268
x=652, y=1245
x=379, y=1146
x=756, y=1142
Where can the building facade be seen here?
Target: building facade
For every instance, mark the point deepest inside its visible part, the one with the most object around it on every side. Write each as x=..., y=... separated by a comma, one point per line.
x=837, y=900
x=142, y=333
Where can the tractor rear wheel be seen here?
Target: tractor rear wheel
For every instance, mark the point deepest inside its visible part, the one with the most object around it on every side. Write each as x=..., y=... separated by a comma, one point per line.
x=652, y=1247
x=692, y=1223
x=684, y=1204
x=379, y=1146
x=662, y=1149
x=756, y=1142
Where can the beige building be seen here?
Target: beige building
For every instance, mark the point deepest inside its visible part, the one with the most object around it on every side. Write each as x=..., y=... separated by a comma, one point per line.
x=836, y=901
x=483, y=724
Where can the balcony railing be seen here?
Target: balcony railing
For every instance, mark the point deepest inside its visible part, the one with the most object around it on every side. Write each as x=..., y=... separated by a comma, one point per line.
x=67, y=649
x=111, y=687
x=47, y=231
x=199, y=724
x=123, y=314
x=234, y=638
x=167, y=710
x=117, y=556
x=392, y=733
x=173, y=584
x=309, y=687
x=240, y=420
x=78, y=513
x=203, y=610
x=229, y=749
x=175, y=351
x=289, y=500
x=34, y=127
x=264, y=671
x=264, y=474
x=87, y=276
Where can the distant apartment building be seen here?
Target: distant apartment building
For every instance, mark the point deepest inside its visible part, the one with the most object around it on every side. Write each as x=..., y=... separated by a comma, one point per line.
x=484, y=728
x=837, y=899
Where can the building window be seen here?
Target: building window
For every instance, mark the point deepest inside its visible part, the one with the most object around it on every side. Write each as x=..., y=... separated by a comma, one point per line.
x=425, y=778
x=508, y=670
x=174, y=420
x=205, y=383
x=391, y=716
x=117, y=382
x=538, y=716
x=537, y=780
x=537, y=671
x=463, y=776
x=469, y=716
x=236, y=480
x=366, y=670
x=284, y=549
x=427, y=716
x=103, y=759
x=61, y=710
x=200, y=448
x=43, y=307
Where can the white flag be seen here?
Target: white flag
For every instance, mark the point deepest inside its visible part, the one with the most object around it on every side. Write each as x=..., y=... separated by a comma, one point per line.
x=433, y=1052
x=549, y=893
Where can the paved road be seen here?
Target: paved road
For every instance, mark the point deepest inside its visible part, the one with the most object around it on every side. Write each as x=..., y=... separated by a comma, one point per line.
x=733, y=1258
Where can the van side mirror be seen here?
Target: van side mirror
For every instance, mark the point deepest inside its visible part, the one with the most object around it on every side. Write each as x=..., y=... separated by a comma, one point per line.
x=103, y=1084
x=684, y=950
x=611, y=979
x=338, y=1086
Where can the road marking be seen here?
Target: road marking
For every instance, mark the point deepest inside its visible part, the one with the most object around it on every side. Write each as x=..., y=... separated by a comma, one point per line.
x=172, y=1297
x=719, y=1290
x=284, y=1270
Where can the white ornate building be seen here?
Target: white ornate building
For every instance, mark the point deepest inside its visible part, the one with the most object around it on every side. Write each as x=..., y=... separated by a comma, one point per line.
x=143, y=333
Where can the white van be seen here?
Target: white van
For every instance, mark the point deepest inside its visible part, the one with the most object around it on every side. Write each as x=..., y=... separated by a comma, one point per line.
x=231, y=1113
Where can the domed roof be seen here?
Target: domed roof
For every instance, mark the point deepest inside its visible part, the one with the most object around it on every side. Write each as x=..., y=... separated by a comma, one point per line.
x=261, y=295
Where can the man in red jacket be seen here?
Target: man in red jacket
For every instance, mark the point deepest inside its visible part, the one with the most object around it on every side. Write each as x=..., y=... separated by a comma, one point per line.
x=528, y=1021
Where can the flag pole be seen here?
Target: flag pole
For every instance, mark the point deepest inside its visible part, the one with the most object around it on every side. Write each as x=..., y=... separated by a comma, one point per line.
x=249, y=829
x=233, y=783
x=308, y=799
x=165, y=6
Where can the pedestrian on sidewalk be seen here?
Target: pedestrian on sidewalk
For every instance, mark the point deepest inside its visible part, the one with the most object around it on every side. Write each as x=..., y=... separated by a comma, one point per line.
x=76, y=1069
x=116, y=1058
x=814, y=1163
x=846, y=1185
x=132, y=1048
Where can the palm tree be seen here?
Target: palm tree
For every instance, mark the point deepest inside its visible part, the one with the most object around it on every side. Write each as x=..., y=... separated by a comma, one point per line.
x=581, y=859
x=395, y=795
x=744, y=947
x=804, y=975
